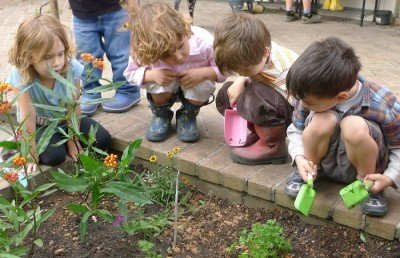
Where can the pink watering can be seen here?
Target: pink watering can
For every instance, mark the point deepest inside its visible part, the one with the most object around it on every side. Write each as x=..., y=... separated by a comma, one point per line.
x=235, y=128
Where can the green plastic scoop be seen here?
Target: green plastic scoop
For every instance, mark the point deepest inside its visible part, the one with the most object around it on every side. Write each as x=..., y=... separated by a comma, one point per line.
x=355, y=193
x=306, y=196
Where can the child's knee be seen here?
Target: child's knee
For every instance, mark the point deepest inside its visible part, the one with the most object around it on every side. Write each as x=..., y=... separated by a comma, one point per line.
x=354, y=129
x=53, y=158
x=321, y=125
x=103, y=139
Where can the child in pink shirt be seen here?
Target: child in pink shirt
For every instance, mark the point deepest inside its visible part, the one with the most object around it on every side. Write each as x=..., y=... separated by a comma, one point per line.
x=169, y=59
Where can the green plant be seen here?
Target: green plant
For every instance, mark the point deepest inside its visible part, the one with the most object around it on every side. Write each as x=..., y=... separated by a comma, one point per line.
x=264, y=240
x=147, y=247
x=148, y=226
x=95, y=180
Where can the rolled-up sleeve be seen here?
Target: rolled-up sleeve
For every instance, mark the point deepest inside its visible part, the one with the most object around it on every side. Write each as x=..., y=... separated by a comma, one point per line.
x=134, y=74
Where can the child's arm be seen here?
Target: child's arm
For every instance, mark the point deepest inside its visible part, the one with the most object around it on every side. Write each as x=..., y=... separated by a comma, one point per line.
x=192, y=77
x=73, y=145
x=237, y=89
x=296, y=151
x=391, y=176
x=142, y=75
x=162, y=77
x=28, y=115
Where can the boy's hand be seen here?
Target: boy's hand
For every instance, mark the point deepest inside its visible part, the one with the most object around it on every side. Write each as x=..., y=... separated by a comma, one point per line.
x=380, y=182
x=162, y=77
x=74, y=148
x=192, y=77
x=305, y=166
x=236, y=90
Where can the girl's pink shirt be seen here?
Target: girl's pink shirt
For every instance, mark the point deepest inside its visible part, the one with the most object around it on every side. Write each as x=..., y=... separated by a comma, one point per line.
x=201, y=55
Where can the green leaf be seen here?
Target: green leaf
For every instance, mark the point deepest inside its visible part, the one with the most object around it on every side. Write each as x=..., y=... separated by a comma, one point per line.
x=94, y=101
x=68, y=183
x=107, y=87
x=106, y=215
x=47, y=214
x=129, y=153
x=68, y=83
x=10, y=145
x=44, y=187
x=52, y=108
x=362, y=237
x=60, y=143
x=75, y=123
x=127, y=191
x=5, y=255
x=99, y=151
x=89, y=164
x=38, y=242
x=77, y=208
x=84, y=223
x=96, y=195
x=45, y=138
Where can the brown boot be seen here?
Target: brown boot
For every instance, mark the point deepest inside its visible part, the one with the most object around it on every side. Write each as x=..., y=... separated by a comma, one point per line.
x=270, y=148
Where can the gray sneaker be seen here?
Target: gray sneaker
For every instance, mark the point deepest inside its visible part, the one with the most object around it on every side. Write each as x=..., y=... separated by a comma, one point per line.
x=290, y=16
x=293, y=184
x=375, y=205
x=313, y=18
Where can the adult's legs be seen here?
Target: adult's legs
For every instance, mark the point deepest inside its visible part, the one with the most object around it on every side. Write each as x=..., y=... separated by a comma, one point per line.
x=117, y=48
x=88, y=39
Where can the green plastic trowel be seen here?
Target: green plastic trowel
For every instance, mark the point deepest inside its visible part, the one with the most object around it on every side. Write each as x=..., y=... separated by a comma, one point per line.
x=355, y=193
x=306, y=196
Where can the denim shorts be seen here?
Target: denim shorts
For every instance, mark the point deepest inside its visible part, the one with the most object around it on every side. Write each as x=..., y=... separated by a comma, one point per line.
x=336, y=165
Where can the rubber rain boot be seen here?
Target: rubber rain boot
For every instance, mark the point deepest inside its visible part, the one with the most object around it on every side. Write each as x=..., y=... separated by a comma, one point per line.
x=161, y=121
x=186, y=125
x=336, y=6
x=326, y=4
x=270, y=148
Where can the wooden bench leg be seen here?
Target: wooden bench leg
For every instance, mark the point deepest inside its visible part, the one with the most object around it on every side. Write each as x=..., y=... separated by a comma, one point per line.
x=362, y=13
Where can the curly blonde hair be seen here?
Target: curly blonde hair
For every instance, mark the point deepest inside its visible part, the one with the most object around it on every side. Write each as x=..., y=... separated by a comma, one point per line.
x=157, y=30
x=34, y=39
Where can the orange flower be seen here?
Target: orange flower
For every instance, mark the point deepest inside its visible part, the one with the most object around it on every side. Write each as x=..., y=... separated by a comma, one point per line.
x=153, y=159
x=87, y=57
x=170, y=155
x=5, y=106
x=176, y=150
x=99, y=63
x=111, y=161
x=5, y=87
x=19, y=161
x=11, y=177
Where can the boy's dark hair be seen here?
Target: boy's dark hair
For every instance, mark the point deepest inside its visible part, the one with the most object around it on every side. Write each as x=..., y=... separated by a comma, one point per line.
x=324, y=69
x=240, y=40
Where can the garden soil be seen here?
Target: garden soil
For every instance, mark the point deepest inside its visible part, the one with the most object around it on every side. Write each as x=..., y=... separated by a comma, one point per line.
x=205, y=230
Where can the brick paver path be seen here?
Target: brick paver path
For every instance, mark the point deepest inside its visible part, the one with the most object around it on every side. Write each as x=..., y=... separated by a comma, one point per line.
x=207, y=163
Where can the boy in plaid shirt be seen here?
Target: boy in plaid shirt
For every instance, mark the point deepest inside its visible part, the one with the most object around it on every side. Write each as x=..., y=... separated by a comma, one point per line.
x=343, y=125
x=242, y=45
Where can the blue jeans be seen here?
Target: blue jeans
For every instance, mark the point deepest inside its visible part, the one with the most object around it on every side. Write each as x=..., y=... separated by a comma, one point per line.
x=105, y=34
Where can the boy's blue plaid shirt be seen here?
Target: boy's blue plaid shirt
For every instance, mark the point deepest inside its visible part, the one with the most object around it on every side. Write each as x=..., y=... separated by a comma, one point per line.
x=378, y=104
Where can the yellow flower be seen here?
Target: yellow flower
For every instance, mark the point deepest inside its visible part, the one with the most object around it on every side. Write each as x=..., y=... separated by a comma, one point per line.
x=19, y=161
x=11, y=177
x=87, y=57
x=99, y=63
x=5, y=87
x=185, y=181
x=176, y=150
x=5, y=106
x=153, y=159
x=111, y=161
x=170, y=154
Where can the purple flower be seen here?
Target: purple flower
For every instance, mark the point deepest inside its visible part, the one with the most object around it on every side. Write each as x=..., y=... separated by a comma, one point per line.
x=118, y=221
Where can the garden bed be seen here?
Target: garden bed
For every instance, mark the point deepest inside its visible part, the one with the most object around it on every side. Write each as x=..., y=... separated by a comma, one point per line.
x=207, y=227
